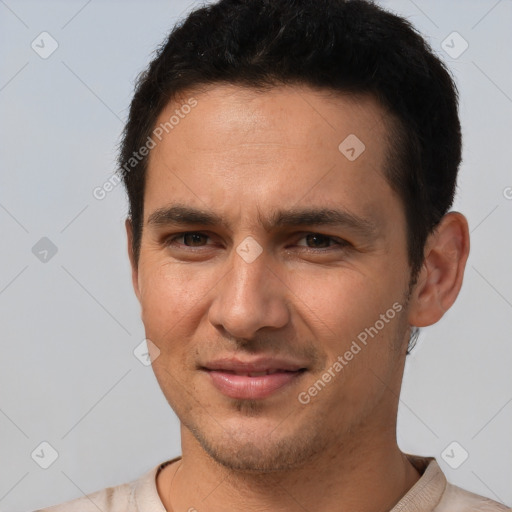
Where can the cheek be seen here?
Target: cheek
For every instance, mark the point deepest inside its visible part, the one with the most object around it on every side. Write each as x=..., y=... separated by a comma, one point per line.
x=342, y=303
x=170, y=299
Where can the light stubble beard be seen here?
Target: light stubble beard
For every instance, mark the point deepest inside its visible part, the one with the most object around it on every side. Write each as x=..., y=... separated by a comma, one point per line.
x=267, y=455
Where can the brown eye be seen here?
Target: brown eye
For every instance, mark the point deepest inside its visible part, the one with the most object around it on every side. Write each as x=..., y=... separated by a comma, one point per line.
x=190, y=239
x=319, y=241
x=193, y=239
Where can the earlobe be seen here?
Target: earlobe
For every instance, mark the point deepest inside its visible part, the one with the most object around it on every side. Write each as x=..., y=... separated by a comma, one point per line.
x=440, y=278
x=135, y=272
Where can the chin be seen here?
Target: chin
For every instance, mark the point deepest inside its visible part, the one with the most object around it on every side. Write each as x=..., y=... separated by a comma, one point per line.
x=247, y=451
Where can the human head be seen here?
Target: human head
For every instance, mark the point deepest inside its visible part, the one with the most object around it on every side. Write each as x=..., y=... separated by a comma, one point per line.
x=254, y=146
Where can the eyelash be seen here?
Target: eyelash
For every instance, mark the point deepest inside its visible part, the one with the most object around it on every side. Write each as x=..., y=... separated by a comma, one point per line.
x=342, y=244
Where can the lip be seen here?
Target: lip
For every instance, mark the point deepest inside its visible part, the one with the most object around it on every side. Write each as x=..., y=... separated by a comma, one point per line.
x=232, y=376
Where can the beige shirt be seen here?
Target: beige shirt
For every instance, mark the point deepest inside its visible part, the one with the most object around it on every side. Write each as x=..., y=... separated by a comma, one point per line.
x=431, y=493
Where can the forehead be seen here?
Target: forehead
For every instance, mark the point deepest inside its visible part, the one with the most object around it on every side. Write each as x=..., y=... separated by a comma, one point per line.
x=282, y=146
x=294, y=114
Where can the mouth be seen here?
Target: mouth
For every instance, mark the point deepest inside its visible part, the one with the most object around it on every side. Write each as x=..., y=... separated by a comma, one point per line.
x=252, y=380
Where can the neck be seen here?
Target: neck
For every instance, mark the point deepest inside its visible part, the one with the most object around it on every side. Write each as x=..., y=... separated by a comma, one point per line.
x=361, y=475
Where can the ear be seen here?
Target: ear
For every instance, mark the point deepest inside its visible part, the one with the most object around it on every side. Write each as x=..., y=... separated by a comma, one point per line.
x=440, y=278
x=135, y=270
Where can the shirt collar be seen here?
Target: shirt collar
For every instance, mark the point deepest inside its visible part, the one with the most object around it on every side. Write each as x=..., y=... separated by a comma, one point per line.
x=427, y=492
x=423, y=496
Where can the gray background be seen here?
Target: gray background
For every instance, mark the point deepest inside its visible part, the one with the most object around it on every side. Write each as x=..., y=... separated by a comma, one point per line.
x=70, y=323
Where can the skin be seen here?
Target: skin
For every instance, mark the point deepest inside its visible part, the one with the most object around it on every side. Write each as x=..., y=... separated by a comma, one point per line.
x=243, y=154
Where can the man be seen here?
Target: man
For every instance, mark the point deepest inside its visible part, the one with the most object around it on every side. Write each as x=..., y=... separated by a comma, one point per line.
x=290, y=165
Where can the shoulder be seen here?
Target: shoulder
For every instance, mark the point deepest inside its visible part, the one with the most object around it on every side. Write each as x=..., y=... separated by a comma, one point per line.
x=110, y=499
x=128, y=497
x=433, y=493
x=456, y=499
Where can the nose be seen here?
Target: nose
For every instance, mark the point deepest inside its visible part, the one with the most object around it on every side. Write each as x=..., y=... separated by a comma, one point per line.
x=250, y=297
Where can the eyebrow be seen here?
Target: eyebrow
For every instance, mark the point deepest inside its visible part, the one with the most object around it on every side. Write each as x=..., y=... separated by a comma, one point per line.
x=185, y=215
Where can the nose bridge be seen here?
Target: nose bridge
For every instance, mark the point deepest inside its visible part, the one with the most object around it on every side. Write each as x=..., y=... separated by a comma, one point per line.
x=249, y=273
x=248, y=287
x=250, y=297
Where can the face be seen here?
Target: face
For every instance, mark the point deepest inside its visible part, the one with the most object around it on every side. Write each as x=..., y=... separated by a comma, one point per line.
x=273, y=275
